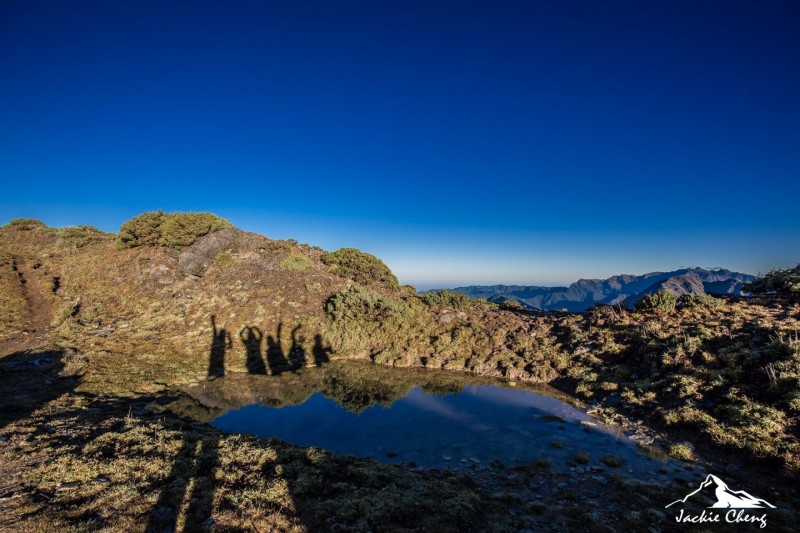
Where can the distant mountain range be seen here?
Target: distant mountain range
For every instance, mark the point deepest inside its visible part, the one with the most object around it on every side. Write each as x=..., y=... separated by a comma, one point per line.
x=624, y=289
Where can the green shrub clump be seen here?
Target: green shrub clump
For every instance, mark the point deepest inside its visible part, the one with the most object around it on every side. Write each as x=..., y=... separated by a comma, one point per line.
x=681, y=452
x=171, y=230
x=24, y=224
x=358, y=303
x=361, y=267
x=363, y=321
x=781, y=282
x=447, y=298
x=662, y=300
x=699, y=300
x=79, y=236
x=295, y=262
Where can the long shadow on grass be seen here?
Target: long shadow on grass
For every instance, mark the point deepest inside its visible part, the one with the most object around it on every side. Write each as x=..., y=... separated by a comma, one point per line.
x=198, y=458
x=195, y=465
x=31, y=379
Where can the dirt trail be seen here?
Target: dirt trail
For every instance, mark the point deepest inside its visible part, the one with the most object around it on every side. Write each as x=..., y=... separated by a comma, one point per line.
x=36, y=328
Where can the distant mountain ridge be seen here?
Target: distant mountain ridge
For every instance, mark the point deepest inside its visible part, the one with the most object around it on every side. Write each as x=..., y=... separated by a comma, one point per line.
x=623, y=289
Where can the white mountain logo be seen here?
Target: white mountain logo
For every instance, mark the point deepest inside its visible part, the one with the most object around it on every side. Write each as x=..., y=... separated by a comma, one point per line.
x=726, y=498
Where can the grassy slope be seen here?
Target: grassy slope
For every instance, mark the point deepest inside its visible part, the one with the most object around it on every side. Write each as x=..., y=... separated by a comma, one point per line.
x=12, y=301
x=732, y=372
x=129, y=321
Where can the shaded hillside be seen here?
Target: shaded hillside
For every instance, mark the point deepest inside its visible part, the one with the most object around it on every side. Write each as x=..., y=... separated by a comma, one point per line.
x=626, y=289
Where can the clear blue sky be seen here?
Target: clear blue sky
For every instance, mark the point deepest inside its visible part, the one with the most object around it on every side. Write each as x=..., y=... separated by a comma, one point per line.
x=462, y=142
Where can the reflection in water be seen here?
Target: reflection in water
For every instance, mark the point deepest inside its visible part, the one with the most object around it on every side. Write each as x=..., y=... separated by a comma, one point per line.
x=397, y=421
x=432, y=403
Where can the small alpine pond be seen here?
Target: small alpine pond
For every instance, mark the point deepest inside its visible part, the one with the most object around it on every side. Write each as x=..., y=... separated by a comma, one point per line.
x=428, y=418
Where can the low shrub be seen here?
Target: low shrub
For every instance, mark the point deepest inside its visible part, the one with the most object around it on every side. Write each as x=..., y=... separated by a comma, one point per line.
x=581, y=458
x=79, y=236
x=295, y=262
x=408, y=289
x=663, y=301
x=447, y=298
x=681, y=452
x=612, y=461
x=24, y=224
x=171, y=230
x=360, y=303
x=511, y=305
x=781, y=282
x=361, y=267
x=699, y=300
x=363, y=321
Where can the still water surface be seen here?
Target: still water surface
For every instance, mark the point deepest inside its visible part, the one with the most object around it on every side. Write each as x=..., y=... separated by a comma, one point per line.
x=475, y=426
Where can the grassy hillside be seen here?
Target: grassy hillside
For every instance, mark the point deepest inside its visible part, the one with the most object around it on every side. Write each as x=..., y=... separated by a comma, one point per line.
x=141, y=311
x=150, y=312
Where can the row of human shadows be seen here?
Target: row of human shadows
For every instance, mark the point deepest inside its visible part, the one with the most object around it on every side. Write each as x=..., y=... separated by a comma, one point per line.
x=274, y=360
x=197, y=460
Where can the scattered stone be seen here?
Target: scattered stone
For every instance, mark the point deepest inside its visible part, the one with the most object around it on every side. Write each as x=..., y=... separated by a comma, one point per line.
x=474, y=459
x=562, y=486
x=71, y=485
x=579, y=470
x=600, y=479
x=100, y=480
x=597, y=469
x=446, y=457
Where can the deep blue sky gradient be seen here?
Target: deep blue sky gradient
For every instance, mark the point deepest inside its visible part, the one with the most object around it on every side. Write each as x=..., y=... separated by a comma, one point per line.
x=462, y=142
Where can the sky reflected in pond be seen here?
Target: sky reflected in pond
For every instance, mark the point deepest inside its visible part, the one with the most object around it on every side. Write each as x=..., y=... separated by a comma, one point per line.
x=478, y=425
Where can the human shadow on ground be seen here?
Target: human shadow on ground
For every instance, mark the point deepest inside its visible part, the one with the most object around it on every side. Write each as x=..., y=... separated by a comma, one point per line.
x=294, y=358
x=192, y=476
x=30, y=379
x=251, y=337
x=220, y=342
x=197, y=459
